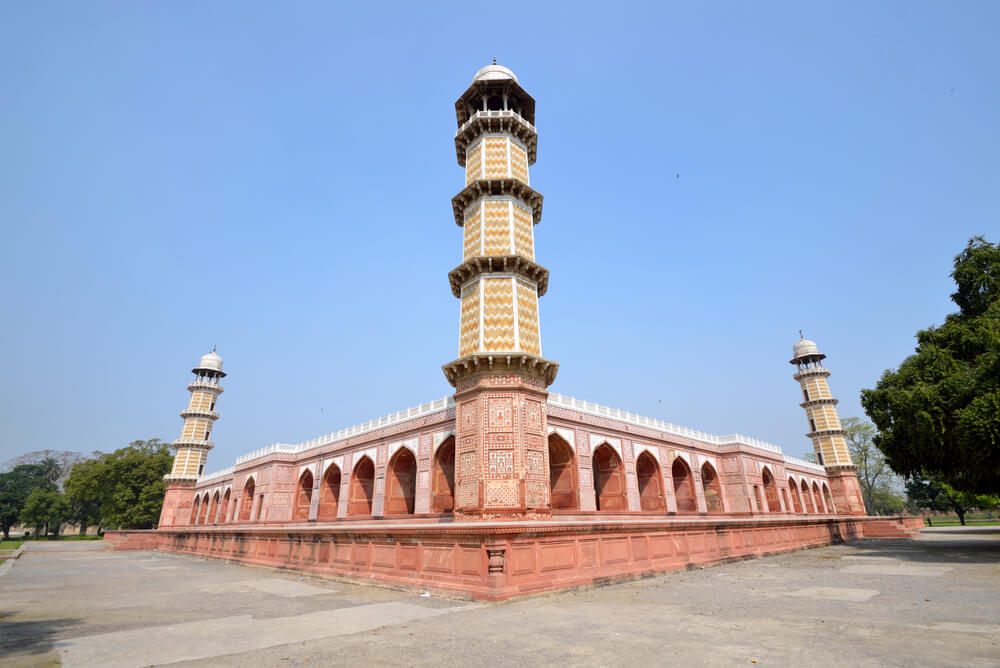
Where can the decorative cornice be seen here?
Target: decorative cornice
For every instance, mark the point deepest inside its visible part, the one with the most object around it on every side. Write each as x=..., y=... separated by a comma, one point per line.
x=828, y=401
x=825, y=432
x=502, y=362
x=202, y=385
x=812, y=371
x=482, y=264
x=483, y=122
x=193, y=413
x=485, y=187
x=192, y=443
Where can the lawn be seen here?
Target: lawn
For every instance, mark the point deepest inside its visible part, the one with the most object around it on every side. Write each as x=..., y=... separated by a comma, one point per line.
x=10, y=544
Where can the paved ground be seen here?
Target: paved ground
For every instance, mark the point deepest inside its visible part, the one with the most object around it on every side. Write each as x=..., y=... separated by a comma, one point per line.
x=933, y=601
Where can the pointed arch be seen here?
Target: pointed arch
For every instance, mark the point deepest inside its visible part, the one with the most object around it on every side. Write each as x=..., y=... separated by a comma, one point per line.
x=205, y=507
x=817, y=498
x=303, y=496
x=830, y=508
x=647, y=472
x=713, y=488
x=401, y=483
x=609, y=480
x=680, y=472
x=770, y=490
x=808, y=504
x=443, y=477
x=213, y=511
x=329, y=494
x=796, y=499
x=562, y=474
x=195, y=510
x=362, y=487
x=249, y=487
x=224, y=511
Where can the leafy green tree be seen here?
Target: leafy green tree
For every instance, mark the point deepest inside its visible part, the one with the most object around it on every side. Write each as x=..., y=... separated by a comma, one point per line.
x=45, y=509
x=132, y=485
x=935, y=494
x=938, y=414
x=874, y=473
x=84, y=493
x=15, y=488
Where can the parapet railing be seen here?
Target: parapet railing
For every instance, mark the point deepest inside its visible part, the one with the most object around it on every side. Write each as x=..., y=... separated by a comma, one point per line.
x=652, y=423
x=216, y=474
x=500, y=113
x=804, y=464
x=387, y=420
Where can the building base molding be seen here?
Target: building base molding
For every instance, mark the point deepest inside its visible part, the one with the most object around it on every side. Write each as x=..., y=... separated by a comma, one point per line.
x=496, y=561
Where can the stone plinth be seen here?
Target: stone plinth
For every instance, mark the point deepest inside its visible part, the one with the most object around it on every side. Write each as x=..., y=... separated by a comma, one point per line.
x=500, y=560
x=846, y=490
x=177, y=503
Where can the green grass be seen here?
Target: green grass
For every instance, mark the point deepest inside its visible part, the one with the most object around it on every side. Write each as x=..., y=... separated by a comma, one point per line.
x=10, y=544
x=70, y=537
x=953, y=522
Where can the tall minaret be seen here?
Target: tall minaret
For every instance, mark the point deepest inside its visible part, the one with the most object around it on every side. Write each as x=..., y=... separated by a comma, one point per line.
x=500, y=377
x=195, y=440
x=825, y=429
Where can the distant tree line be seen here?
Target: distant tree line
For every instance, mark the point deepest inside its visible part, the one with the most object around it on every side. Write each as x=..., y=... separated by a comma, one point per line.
x=120, y=490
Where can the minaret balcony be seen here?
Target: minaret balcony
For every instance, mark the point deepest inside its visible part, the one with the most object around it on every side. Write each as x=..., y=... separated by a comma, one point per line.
x=827, y=401
x=508, y=264
x=486, y=187
x=819, y=433
x=194, y=443
x=482, y=122
x=812, y=371
x=194, y=413
x=206, y=386
x=480, y=363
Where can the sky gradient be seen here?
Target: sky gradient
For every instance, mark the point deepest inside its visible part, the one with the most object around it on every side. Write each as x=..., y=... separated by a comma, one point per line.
x=275, y=179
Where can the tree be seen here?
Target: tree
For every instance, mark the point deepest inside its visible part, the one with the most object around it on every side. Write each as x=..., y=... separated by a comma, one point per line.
x=15, y=488
x=935, y=494
x=874, y=473
x=45, y=509
x=132, y=485
x=84, y=493
x=938, y=414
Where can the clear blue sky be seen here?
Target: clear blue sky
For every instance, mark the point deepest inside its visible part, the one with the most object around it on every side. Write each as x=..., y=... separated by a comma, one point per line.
x=275, y=178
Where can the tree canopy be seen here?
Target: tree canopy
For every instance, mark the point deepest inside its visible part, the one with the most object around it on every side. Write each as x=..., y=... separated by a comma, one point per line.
x=874, y=473
x=15, y=488
x=938, y=414
x=123, y=489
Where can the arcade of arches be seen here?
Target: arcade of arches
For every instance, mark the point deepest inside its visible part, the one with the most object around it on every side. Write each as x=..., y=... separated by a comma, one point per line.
x=610, y=488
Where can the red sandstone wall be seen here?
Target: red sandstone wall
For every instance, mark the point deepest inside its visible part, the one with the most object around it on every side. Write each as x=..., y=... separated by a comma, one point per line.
x=131, y=540
x=500, y=561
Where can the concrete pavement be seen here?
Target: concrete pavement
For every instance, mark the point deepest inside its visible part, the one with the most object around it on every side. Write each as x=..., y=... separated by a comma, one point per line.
x=931, y=601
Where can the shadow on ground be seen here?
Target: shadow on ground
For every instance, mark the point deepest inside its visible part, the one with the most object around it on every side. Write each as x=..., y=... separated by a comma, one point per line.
x=34, y=637
x=971, y=546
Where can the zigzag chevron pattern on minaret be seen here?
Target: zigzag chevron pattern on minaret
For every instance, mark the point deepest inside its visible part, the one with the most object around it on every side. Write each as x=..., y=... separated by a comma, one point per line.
x=498, y=314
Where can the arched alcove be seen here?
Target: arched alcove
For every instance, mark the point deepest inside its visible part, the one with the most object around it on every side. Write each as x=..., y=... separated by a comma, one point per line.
x=680, y=473
x=329, y=494
x=817, y=498
x=808, y=505
x=224, y=515
x=609, y=480
x=195, y=510
x=770, y=491
x=401, y=483
x=796, y=499
x=213, y=509
x=829, y=499
x=713, y=488
x=443, y=483
x=205, y=508
x=647, y=472
x=248, y=493
x=562, y=474
x=303, y=496
x=362, y=488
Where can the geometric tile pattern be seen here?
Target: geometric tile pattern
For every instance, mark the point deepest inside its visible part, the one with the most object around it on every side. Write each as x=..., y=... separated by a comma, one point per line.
x=495, y=159
x=473, y=233
x=519, y=163
x=527, y=317
x=496, y=228
x=473, y=163
x=469, y=327
x=498, y=314
x=524, y=244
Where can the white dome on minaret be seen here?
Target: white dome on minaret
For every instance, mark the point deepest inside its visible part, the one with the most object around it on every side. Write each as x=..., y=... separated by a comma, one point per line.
x=210, y=362
x=804, y=347
x=494, y=72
